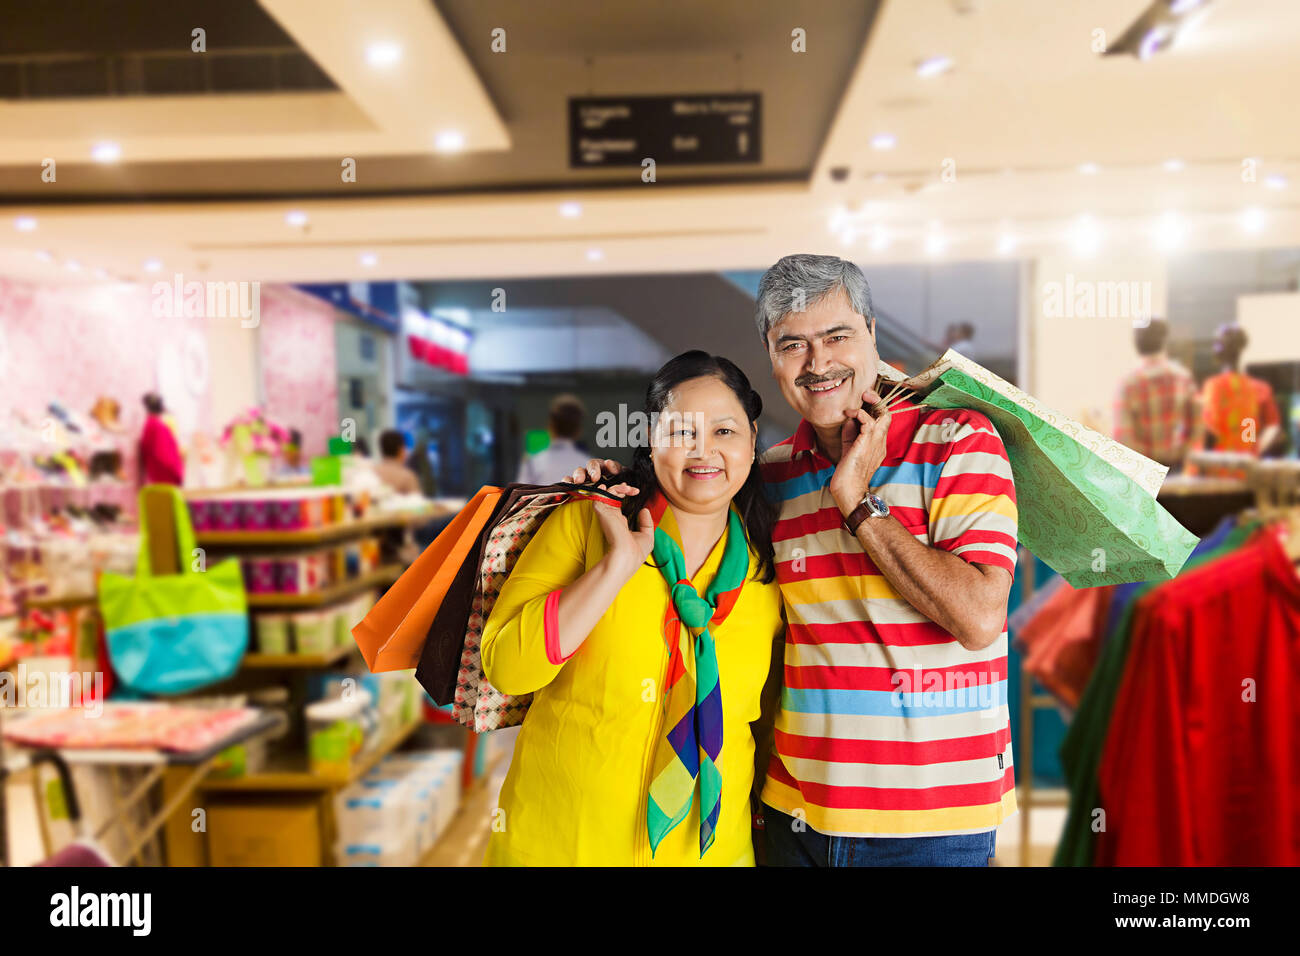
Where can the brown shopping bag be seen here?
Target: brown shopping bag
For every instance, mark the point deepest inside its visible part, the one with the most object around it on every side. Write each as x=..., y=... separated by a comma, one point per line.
x=392, y=635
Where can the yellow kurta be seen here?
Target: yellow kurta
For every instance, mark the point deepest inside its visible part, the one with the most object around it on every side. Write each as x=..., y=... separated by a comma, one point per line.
x=575, y=794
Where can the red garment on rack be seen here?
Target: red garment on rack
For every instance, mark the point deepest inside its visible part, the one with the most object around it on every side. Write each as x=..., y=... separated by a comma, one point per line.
x=1060, y=643
x=1195, y=772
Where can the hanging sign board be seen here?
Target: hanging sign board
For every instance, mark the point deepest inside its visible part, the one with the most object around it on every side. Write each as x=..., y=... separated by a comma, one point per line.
x=699, y=129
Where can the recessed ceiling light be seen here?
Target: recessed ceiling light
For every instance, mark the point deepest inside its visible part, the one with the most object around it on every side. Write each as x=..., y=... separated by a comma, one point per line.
x=880, y=241
x=570, y=210
x=449, y=141
x=152, y=265
x=1089, y=169
x=369, y=259
x=933, y=66
x=383, y=54
x=1179, y=7
x=296, y=218
x=107, y=152
x=1086, y=236
x=935, y=244
x=594, y=255
x=1169, y=232
x=1006, y=244
x=25, y=223
x=884, y=141
x=1252, y=220
x=1173, y=165
x=1275, y=181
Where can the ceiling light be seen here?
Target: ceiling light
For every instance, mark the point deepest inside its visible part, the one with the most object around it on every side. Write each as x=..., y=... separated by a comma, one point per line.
x=449, y=141
x=1252, y=220
x=383, y=54
x=933, y=66
x=1156, y=39
x=106, y=152
x=1006, y=244
x=1275, y=181
x=883, y=141
x=594, y=255
x=296, y=218
x=1179, y=7
x=570, y=210
x=152, y=265
x=880, y=241
x=935, y=244
x=72, y=265
x=1173, y=165
x=1169, y=232
x=1089, y=169
x=25, y=223
x=369, y=259
x=1085, y=236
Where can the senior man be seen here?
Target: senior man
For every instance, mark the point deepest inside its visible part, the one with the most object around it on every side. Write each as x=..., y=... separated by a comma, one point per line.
x=895, y=550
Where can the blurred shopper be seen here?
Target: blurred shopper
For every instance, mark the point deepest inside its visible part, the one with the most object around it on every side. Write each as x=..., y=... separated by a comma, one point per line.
x=562, y=455
x=1240, y=412
x=1157, y=412
x=160, y=453
x=612, y=768
x=391, y=468
x=895, y=549
x=960, y=336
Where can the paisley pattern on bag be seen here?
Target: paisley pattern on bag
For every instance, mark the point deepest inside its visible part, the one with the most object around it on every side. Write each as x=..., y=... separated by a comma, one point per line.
x=478, y=705
x=1087, y=504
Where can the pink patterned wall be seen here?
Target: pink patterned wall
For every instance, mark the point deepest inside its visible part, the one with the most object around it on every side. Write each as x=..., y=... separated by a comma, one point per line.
x=298, y=366
x=73, y=343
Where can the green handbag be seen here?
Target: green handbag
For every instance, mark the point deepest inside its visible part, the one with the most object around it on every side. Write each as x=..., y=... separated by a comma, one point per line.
x=168, y=634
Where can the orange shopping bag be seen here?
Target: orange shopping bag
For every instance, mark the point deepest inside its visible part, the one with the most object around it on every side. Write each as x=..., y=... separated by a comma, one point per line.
x=392, y=635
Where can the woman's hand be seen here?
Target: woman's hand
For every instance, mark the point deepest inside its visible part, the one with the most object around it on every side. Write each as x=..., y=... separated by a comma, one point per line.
x=626, y=550
x=593, y=469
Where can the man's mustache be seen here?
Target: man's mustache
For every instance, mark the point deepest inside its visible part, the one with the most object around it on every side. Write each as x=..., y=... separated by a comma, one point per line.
x=831, y=376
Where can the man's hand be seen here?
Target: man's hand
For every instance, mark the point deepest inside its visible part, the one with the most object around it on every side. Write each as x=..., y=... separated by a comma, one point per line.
x=592, y=471
x=861, y=453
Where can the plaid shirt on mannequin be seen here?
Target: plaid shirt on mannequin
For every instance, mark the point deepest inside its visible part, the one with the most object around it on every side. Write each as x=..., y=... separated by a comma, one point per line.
x=1157, y=410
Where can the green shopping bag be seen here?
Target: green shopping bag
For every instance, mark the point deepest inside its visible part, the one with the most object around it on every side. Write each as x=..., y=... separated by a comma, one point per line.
x=168, y=634
x=1087, y=504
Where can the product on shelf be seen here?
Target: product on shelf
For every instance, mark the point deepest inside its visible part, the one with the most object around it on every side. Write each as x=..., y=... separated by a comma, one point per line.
x=335, y=734
x=316, y=631
x=397, y=812
x=274, y=509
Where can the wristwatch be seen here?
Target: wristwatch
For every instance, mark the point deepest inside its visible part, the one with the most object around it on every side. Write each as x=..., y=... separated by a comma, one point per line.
x=872, y=506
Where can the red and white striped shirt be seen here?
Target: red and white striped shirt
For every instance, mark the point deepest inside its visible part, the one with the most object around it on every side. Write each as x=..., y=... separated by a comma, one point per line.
x=888, y=726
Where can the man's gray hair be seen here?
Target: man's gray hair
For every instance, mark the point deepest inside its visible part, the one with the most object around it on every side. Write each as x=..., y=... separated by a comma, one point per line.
x=799, y=281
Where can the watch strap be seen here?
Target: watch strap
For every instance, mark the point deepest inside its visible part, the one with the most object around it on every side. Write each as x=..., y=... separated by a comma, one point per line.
x=858, y=515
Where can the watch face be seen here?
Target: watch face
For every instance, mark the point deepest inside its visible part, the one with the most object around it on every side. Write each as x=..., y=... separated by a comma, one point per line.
x=877, y=505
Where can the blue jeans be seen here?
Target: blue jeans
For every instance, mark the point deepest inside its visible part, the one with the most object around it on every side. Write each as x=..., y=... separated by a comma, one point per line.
x=788, y=845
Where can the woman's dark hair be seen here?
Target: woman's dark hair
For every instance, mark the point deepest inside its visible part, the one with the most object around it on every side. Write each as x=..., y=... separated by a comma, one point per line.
x=757, y=511
x=153, y=403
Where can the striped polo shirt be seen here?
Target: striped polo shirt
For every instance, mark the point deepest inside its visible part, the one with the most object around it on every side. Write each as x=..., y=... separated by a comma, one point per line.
x=888, y=726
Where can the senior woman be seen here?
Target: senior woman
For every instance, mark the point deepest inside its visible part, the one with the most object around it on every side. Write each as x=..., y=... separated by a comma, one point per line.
x=646, y=635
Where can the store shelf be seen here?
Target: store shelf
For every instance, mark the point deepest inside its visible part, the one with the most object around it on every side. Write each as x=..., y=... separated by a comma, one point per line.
x=65, y=602
x=308, y=536
x=285, y=662
x=376, y=578
x=296, y=778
